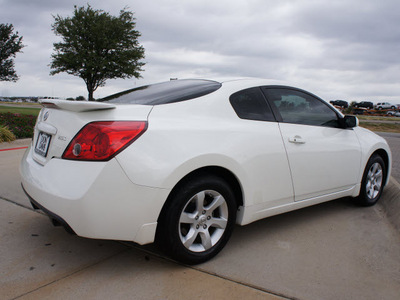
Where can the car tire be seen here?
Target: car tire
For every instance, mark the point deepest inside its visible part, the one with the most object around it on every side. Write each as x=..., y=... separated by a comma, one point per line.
x=198, y=219
x=393, y=107
x=373, y=181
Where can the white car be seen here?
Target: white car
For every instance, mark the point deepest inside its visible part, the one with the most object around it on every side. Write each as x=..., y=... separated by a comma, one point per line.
x=181, y=162
x=393, y=113
x=385, y=105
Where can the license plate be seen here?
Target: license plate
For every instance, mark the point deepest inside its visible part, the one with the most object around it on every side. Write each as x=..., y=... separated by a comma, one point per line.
x=42, y=144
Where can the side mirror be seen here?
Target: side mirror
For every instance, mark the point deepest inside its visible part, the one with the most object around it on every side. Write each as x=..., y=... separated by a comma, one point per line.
x=349, y=121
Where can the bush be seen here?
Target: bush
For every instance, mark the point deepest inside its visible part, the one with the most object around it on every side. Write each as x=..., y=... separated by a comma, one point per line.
x=6, y=135
x=20, y=125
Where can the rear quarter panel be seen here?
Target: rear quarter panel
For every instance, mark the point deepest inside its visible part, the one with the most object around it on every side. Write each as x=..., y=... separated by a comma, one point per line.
x=186, y=136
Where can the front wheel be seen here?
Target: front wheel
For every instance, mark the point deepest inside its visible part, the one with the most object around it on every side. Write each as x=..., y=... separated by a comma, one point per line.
x=198, y=220
x=373, y=181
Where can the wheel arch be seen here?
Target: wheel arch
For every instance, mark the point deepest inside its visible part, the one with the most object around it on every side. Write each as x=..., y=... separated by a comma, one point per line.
x=224, y=173
x=385, y=156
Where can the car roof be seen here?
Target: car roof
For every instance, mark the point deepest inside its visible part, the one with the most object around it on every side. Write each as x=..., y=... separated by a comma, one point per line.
x=248, y=82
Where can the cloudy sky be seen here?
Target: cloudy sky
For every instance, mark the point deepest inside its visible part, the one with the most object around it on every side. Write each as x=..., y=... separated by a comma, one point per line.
x=337, y=49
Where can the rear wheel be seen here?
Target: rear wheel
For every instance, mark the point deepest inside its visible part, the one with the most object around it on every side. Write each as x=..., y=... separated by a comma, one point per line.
x=373, y=181
x=198, y=220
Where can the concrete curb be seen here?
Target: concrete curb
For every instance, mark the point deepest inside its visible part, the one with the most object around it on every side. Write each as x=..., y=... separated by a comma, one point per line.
x=390, y=202
x=16, y=143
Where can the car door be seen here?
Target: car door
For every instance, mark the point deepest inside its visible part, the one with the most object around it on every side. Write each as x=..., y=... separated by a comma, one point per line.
x=265, y=159
x=323, y=157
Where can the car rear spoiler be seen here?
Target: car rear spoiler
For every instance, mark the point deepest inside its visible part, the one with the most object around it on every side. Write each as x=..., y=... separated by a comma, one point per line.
x=76, y=106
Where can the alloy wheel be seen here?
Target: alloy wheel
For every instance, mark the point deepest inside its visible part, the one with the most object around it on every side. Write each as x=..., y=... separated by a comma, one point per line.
x=203, y=221
x=374, y=180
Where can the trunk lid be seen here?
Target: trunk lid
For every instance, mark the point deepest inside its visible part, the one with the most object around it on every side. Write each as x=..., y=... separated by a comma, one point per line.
x=60, y=120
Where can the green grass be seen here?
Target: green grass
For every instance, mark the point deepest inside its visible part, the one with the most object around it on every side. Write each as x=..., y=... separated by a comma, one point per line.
x=388, y=124
x=20, y=110
x=24, y=103
x=378, y=118
x=381, y=127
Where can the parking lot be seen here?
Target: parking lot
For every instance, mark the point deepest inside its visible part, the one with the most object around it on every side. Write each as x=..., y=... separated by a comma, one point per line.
x=335, y=250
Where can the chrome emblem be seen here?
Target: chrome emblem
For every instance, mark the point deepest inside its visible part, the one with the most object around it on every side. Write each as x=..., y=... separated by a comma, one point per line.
x=46, y=115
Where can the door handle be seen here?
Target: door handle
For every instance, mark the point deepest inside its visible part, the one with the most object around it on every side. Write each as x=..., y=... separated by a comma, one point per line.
x=297, y=140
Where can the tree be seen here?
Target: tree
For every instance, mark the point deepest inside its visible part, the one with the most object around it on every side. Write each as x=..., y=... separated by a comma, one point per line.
x=97, y=46
x=10, y=45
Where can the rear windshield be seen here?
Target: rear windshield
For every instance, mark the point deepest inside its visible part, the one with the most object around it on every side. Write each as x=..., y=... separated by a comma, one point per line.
x=166, y=92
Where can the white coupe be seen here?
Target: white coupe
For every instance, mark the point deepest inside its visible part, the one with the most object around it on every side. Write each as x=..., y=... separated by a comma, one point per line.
x=182, y=162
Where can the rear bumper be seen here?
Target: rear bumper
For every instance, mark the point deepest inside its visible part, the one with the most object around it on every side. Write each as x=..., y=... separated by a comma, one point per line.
x=55, y=219
x=93, y=199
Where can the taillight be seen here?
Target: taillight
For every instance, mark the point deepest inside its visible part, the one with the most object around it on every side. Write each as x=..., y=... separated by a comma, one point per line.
x=103, y=140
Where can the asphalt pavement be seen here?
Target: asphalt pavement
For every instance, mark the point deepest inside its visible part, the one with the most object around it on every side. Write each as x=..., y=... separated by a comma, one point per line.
x=393, y=140
x=335, y=250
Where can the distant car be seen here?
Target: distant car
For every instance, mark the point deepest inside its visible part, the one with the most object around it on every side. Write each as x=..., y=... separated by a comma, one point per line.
x=181, y=162
x=385, y=105
x=393, y=113
x=365, y=104
x=340, y=103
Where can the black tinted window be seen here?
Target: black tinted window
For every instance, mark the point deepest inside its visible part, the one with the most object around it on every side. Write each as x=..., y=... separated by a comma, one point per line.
x=166, y=92
x=250, y=104
x=301, y=108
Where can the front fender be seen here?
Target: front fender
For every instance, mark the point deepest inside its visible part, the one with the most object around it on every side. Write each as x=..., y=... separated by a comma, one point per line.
x=371, y=143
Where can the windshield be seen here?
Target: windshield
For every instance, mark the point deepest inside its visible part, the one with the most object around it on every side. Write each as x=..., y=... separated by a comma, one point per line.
x=165, y=92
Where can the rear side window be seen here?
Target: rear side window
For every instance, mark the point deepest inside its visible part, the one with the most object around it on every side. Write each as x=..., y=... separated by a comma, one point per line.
x=250, y=104
x=166, y=92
